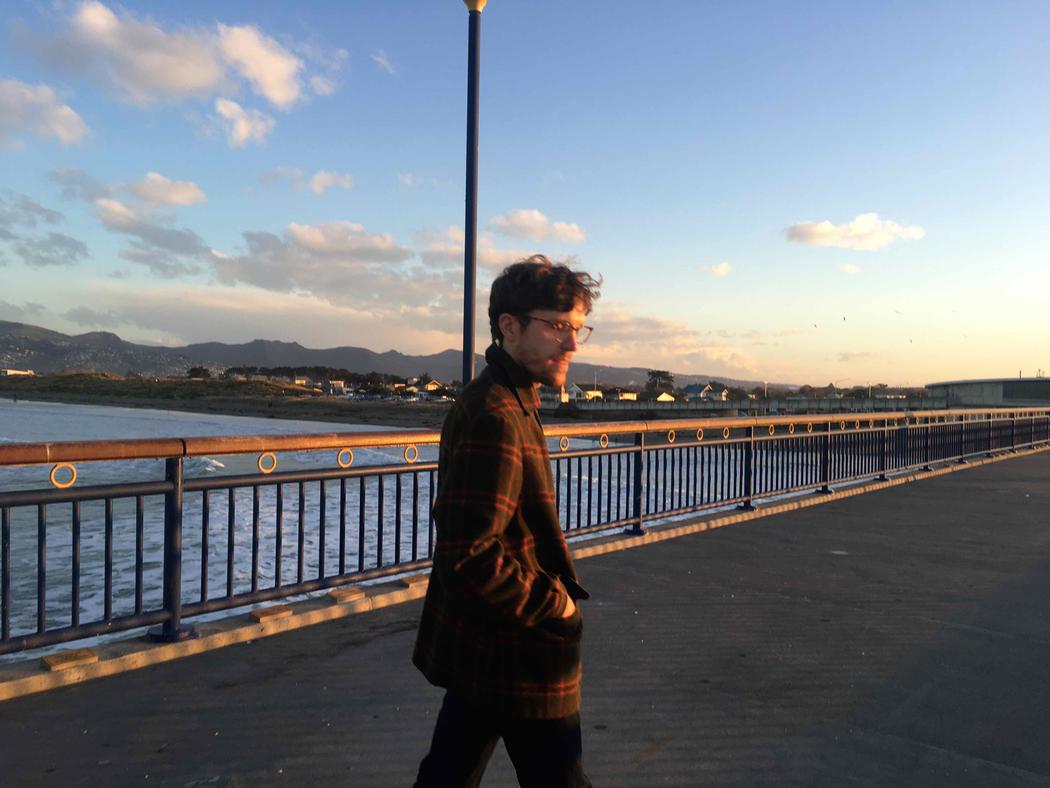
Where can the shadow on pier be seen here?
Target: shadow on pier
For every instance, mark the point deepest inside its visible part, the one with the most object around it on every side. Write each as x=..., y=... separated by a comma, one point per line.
x=899, y=637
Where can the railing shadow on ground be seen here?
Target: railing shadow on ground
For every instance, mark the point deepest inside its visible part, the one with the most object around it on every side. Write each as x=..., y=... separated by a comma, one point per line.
x=198, y=536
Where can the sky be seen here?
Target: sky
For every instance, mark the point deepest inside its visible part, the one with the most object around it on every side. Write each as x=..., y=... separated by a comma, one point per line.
x=817, y=192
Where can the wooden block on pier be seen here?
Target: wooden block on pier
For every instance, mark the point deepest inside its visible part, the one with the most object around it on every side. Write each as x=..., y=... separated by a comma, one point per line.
x=346, y=594
x=73, y=658
x=415, y=580
x=272, y=613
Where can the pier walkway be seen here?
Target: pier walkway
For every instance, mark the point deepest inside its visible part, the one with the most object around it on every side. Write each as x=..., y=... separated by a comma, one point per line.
x=901, y=637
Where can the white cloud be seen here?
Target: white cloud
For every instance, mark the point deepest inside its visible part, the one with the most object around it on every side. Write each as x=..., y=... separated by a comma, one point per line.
x=446, y=248
x=626, y=336
x=866, y=232
x=243, y=125
x=179, y=313
x=408, y=179
x=383, y=62
x=322, y=181
x=721, y=269
x=155, y=189
x=144, y=63
x=141, y=60
x=18, y=210
x=271, y=69
x=293, y=174
x=347, y=238
x=849, y=268
x=36, y=109
x=345, y=265
x=78, y=185
x=849, y=356
x=532, y=224
x=166, y=251
x=114, y=214
x=54, y=249
x=322, y=86
x=20, y=313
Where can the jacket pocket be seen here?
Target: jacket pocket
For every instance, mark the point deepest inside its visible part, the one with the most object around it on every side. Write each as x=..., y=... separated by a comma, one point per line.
x=570, y=628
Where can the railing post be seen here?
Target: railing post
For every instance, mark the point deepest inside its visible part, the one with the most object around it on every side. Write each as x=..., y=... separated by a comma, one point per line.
x=639, y=480
x=825, y=460
x=173, y=629
x=749, y=471
x=989, y=452
x=962, y=441
x=885, y=448
x=1013, y=432
x=926, y=447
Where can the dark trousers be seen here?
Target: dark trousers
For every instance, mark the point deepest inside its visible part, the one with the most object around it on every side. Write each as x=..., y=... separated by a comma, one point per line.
x=545, y=753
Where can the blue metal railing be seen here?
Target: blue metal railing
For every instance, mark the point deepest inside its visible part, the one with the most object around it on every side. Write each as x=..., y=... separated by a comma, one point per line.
x=78, y=561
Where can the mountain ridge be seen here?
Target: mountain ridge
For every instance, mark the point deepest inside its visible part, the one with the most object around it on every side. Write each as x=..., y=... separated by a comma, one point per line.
x=27, y=346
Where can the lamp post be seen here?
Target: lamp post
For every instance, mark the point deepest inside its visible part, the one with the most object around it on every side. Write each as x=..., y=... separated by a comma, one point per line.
x=470, y=245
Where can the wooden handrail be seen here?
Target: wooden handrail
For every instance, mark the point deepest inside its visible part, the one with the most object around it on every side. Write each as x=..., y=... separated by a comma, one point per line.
x=155, y=448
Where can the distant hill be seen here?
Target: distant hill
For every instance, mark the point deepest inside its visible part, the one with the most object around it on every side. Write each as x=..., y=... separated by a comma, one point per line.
x=24, y=346
x=27, y=346
x=446, y=365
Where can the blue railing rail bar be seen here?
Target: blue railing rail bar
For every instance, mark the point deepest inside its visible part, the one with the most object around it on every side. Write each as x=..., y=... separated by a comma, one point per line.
x=345, y=531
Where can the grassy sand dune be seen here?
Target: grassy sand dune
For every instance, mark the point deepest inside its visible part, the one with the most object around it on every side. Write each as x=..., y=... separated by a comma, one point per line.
x=238, y=398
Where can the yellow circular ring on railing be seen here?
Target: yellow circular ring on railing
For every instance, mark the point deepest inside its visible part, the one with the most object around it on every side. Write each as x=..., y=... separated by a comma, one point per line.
x=411, y=454
x=603, y=441
x=263, y=468
x=69, y=482
x=700, y=433
x=670, y=436
x=772, y=429
x=842, y=425
x=856, y=424
x=791, y=429
x=725, y=432
x=563, y=443
x=809, y=427
x=871, y=423
x=345, y=458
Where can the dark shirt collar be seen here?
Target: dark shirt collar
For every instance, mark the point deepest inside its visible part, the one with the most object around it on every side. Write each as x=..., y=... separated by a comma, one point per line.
x=516, y=375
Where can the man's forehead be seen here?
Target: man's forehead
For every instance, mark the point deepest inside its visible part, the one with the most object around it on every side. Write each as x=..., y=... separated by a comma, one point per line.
x=579, y=311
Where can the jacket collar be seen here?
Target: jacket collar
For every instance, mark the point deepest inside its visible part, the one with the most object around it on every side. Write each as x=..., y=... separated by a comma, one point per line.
x=514, y=374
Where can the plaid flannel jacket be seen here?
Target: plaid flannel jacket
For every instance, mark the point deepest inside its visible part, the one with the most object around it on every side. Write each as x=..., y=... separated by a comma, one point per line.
x=491, y=629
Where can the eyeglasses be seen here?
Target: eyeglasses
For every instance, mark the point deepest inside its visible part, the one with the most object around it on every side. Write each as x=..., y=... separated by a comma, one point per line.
x=564, y=328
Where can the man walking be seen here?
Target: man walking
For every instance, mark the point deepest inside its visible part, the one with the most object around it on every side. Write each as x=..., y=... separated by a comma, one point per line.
x=500, y=629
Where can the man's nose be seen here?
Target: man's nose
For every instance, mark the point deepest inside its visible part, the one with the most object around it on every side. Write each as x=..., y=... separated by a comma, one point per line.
x=570, y=342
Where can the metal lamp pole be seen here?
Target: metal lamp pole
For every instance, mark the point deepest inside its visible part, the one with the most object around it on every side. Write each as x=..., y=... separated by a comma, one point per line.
x=470, y=247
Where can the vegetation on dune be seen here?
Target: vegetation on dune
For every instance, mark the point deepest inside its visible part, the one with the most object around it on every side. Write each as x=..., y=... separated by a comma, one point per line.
x=107, y=386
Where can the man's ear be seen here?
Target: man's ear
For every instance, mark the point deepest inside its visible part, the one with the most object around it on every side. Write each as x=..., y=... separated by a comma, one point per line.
x=509, y=326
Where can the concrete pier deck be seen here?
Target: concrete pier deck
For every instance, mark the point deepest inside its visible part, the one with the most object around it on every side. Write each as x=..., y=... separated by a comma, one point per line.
x=900, y=637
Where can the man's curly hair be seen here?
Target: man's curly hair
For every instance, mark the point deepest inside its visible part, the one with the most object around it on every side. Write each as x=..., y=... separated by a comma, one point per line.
x=538, y=283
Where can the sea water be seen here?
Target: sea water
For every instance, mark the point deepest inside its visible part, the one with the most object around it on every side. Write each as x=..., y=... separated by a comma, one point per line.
x=27, y=421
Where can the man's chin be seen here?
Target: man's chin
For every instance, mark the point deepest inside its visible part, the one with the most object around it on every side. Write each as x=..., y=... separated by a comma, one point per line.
x=558, y=378
x=553, y=378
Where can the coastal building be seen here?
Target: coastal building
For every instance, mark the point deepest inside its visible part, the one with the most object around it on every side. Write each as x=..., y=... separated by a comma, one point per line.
x=1003, y=392
x=708, y=393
